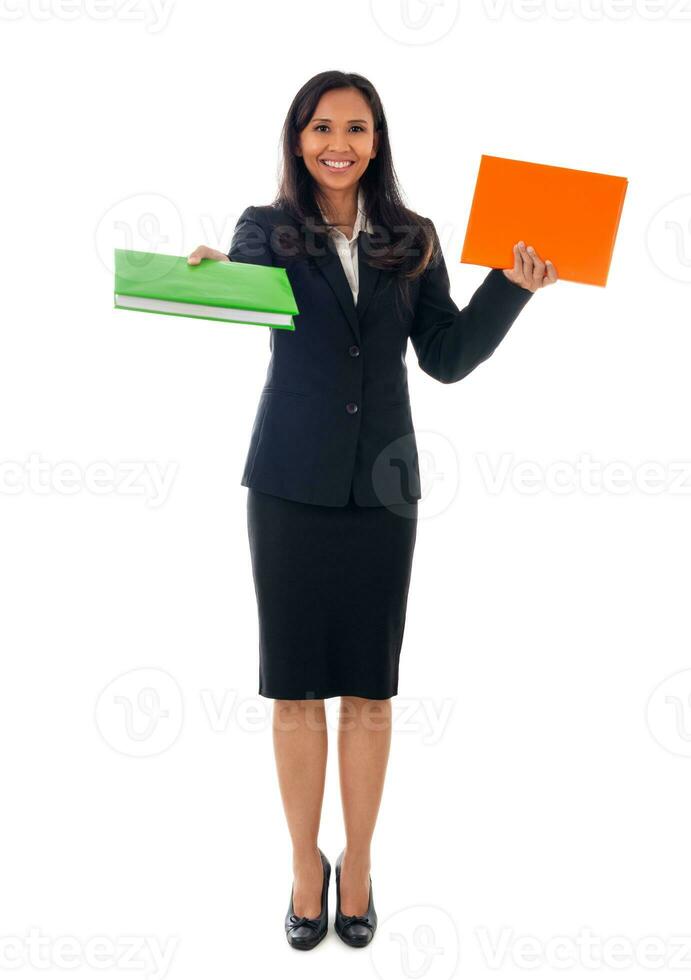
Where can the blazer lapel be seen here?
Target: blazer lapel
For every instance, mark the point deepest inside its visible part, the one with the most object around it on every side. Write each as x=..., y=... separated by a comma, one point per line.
x=368, y=276
x=330, y=267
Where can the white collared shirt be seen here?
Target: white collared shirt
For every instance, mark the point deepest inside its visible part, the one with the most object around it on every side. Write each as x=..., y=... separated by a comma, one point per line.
x=347, y=248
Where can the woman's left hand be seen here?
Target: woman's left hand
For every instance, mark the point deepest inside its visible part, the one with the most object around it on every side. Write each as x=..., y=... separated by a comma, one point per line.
x=529, y=270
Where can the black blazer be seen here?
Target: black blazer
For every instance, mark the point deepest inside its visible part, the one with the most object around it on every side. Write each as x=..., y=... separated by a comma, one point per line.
x=334, y=409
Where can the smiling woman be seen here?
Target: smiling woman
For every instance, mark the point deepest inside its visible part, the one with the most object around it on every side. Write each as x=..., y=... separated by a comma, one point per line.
x=332, y=468
x=337, y=147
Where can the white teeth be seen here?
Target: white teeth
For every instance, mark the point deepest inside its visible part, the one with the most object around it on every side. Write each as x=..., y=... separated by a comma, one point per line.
x=338, y=164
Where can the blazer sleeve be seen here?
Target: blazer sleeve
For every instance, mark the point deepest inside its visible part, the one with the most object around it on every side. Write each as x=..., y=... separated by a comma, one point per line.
x=450, y=343
x=251, y=241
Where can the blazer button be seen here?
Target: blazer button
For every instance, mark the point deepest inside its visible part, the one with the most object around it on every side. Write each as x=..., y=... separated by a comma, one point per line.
x=351, y=407
x=354, y=351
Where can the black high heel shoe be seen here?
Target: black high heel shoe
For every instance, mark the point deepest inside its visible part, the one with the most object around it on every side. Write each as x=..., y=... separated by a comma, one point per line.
x=304, y=933
x=355, y=930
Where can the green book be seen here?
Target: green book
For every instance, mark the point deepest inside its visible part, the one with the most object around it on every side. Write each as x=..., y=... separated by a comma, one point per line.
x=238, y=292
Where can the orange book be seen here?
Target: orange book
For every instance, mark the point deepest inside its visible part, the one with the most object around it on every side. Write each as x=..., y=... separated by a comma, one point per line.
x=569, y=216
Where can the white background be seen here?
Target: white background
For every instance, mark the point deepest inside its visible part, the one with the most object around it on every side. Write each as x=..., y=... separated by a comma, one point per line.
x=539, y=778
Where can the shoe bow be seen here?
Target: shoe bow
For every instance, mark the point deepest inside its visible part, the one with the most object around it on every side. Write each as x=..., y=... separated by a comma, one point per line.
x=349, y=920
x=302, y=920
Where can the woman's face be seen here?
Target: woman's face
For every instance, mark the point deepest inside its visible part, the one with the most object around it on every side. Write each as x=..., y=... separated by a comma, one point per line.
x=339, y=141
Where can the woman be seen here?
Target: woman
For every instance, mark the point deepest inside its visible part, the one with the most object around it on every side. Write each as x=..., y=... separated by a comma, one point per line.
x=332, y=470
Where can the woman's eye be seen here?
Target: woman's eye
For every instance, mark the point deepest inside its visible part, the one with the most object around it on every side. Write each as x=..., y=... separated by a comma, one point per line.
x=324, y=126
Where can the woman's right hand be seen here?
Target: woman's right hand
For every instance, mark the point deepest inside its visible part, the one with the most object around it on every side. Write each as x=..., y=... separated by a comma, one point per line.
x=204, y=252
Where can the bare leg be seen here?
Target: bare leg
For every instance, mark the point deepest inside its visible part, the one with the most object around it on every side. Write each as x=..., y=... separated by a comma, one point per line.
x=300, y=747
x=364, y=739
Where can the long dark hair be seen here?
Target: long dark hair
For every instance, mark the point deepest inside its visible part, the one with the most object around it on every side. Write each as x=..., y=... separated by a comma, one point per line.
x=406, y=243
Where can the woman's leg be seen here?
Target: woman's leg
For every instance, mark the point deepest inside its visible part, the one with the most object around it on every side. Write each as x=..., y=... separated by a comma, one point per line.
x=300, y=747
x=364, y=739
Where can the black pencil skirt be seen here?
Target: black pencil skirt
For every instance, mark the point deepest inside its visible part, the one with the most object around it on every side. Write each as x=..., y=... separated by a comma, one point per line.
x=332, y=591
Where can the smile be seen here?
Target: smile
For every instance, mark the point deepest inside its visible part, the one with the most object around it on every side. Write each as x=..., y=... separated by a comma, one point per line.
x=337, y=164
